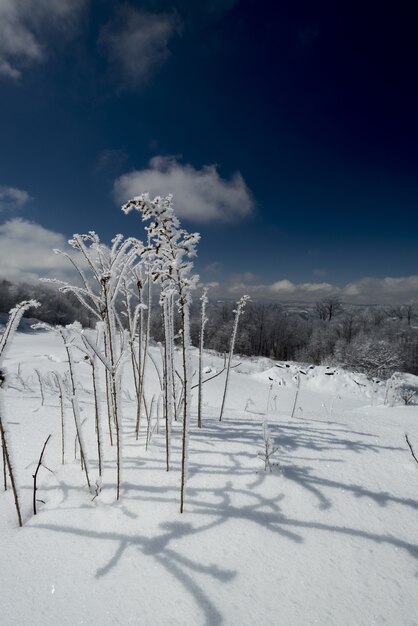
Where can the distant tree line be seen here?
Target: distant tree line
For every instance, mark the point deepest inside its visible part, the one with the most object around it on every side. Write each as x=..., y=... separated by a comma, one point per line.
x=375, y=339
x=56, y=307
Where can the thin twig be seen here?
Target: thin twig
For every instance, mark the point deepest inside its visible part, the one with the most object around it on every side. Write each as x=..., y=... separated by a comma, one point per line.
x=35, y=475
x=411, y=448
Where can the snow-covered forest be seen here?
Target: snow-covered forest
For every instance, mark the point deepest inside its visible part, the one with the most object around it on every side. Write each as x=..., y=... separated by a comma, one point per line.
x=168, y=460
x=299, y=332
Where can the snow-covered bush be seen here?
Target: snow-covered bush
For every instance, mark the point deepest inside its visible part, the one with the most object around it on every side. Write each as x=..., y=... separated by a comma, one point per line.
x=377, y=358
x=268, y=448
x=406, y=394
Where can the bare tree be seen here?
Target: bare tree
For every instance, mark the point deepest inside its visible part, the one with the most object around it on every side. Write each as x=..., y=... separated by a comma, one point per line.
x=327, y=307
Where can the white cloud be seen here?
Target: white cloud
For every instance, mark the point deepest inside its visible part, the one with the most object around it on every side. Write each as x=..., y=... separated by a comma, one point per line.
x=367, y=290
x=137, y=43
x=284, y=285
x=199, y=195
x=386, y=290
x=26, y=252
x=284, y=289
x=12, y=198
x=24, y=27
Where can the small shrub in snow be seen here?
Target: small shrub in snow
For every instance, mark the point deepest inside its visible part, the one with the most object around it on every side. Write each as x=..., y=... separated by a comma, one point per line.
x=268, y=450
x=406, y=395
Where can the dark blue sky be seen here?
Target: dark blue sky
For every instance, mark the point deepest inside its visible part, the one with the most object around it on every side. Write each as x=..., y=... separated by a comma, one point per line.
x=315, y=104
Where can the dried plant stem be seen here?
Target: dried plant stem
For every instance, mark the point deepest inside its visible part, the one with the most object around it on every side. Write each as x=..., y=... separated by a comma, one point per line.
x=10, y=469
x=35, y=475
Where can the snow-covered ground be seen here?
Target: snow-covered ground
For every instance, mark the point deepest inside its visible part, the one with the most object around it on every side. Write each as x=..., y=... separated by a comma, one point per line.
x=329, y=537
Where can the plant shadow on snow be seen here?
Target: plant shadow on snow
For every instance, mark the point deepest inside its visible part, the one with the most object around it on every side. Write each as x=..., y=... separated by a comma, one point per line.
x=232, y=491
x=179, y=566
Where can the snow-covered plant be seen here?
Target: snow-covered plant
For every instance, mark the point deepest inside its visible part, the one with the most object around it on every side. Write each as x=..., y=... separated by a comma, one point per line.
x=91, y=358
x=268, y=448
x=61, y=395
x=375, y=357
x=392, y=385
x=249, y=403
x=15, y=315
x=407, y=395
x=41, y=386
x=296, y=395
x=203, y=322
x=109, y=269
x=237, y=314
x=170, y=248
x=137, y=287
x=68, y=336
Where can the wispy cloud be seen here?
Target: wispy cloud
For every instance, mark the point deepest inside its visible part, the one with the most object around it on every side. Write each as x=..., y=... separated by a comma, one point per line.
x=24, y=29
x=12, y=198
x=199, y=195
x=26, y=252
x=136, y=43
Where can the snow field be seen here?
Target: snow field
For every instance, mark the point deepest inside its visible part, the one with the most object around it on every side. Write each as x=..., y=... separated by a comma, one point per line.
x=329, y=537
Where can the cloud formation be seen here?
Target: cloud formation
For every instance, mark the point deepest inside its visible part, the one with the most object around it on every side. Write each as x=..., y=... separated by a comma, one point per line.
x=26, y=252
x=199, y=195
x=283, y=289
x=386, y=290
x=12, y=198
x=367, y=290
x=24, y=29
x=136, y=43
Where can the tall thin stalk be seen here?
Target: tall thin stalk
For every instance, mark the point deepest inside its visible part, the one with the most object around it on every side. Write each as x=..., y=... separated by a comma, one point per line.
x=64, y=333
x=238, y=312
x=61, y=395
x=203, y=321
x=15, y=316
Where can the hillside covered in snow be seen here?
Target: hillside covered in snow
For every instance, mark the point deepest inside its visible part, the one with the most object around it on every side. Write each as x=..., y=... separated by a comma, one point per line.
x=328, y=536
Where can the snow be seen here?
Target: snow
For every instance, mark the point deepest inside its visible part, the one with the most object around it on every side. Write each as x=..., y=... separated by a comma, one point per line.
x=329, y=537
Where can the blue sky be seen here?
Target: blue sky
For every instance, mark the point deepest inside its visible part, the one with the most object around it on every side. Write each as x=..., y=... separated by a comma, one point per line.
x=288, y=133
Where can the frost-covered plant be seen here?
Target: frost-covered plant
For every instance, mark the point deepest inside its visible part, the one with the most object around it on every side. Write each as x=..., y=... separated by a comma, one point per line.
x=109, y=269
x=91, y=358
x=296, y=395
x=203, y=322
x=67, y=336
x=268, y=449
x=15, y=315
x=41, y=386
x=406, y=394
x=138, y=285
x=249, y=403
x=374, y=357
x=171, y=248
x=61, y=394
x=237, y=314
